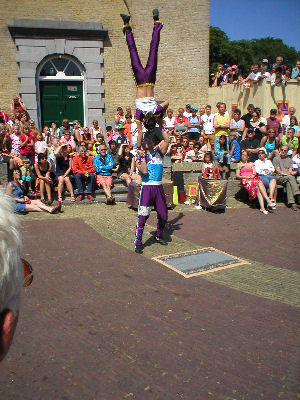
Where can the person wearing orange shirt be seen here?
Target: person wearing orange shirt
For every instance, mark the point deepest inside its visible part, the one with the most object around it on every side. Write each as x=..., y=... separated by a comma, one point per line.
x=84, y=170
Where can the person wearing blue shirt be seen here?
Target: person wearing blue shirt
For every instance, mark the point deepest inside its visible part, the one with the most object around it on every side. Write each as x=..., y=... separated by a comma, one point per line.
x=104, y=164
x=235, y=150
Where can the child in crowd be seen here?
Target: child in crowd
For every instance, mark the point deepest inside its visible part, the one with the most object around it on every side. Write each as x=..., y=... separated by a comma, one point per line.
x=40, y=145
x=222, y=156
x=99, y=140
x=235, y=150
x=27, y=176
x=209, y=171
x=296, y=165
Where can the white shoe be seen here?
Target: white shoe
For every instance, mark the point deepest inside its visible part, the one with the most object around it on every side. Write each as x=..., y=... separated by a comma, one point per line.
x=265, y=212
x=198, y=207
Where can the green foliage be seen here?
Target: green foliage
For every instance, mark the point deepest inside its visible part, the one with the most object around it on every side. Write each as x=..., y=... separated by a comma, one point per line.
x=246, y=52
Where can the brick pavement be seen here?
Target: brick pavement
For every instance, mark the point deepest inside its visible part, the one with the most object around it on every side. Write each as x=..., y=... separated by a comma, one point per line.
x=100, y=322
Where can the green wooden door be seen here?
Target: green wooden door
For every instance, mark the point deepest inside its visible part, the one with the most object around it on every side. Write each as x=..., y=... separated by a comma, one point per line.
x=61, y=99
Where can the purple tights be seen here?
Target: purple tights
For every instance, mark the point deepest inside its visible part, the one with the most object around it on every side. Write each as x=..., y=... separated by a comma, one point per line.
x=148, y=74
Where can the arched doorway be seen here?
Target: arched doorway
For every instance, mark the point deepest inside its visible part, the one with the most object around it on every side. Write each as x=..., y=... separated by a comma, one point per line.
x=61, y=90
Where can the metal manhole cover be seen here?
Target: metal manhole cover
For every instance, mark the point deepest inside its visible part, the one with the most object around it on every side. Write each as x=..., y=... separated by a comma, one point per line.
x=200, y=261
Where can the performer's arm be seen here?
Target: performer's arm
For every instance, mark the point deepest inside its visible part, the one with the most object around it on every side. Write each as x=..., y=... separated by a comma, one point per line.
x=164, y=144
x=140, y=133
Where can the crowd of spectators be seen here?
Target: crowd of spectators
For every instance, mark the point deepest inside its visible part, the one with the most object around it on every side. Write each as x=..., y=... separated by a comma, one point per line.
x=278, y=74
x=263, y=150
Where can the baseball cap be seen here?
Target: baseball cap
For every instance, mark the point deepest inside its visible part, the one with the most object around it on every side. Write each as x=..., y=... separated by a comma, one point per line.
x=262, y=149
x=234, y=66
x=120, y=126
x=226, y=65
x=265, y=61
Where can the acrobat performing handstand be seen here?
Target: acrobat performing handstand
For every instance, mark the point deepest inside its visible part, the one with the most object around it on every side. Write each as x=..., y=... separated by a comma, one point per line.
x=149, y=160
x=145, y=77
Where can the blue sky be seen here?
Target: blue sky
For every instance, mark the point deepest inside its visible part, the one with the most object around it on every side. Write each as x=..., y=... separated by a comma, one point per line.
x=244, y=19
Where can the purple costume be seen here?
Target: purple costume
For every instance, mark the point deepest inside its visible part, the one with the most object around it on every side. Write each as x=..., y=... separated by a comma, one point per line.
x=144, y=76
x=152, y=194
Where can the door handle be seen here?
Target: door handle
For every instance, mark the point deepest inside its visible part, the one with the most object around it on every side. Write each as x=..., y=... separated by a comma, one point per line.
x=60, y=112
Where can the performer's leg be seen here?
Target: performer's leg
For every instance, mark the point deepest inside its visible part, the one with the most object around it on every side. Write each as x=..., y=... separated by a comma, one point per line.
x=162, y=211
x=144, y=210
x=136, y=65
x=151, y=66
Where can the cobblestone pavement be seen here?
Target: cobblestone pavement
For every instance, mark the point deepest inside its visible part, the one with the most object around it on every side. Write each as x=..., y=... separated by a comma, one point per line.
x=100, y=322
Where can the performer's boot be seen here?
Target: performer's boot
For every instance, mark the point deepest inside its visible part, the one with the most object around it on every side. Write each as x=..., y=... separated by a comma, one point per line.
x=155, y=13
x=126, y=19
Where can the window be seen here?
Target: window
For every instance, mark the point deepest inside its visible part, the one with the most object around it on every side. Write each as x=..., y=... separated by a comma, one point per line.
x=60, y=65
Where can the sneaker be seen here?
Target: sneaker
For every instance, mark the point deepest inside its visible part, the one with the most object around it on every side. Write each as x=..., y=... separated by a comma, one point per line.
x=161, y=241
x=125, y=18
x=155, y=13
x=90, y=197
x=79, y=197
x=265, y=212
x=138, y=249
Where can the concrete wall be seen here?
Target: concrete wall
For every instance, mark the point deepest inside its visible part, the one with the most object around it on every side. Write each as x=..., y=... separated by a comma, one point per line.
x=261, y=95
x=183, y=54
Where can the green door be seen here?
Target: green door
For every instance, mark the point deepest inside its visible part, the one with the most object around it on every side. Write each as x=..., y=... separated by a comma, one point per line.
x=61, y=99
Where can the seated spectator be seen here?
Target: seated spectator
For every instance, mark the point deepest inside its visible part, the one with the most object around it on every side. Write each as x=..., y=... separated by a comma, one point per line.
x=4, y=118
x=277, y=79
x=286, y=119
x=66, y=138
x=42, y=170
x=40, y=145
x=15, y=140
x=84, y=171
x=188, y=112
x=257, y=126
x=27, y=145
x=180, y=114
x=290, y=140
x=248, y=116
x=103, y=166
x=261, y=119
x=133, y=135
x=189, y=155
x=264, y=73
x=53, y=130
x=219, y=75
x=95, y=129
x=99, y=140
x=273, y=122
x=127, y=128
x=114, y=154
x=185, y=145
x=200, y=148
x=235, y=150
x=27, y=176
x=121, y=138
x=266, y=173
x=87, y=138
x=288, y=74
x=169, y=120
x=209, y=171
x=251, y=144
x=180, y=127
x=17, y=104
x=65, y=125
x=296, y=71
x=193, y=125
x=294, y=125
x=285, y=176
x=119, y=117
x=270, y=142
x=222, y=156
x=207, y=121
x=250, y=181
x=62, y=171
x=109, y=134
x=126, y=170
x=175, y=153
x=22, y=203
x=296, y=165
x=237, y=124
x=77, y=131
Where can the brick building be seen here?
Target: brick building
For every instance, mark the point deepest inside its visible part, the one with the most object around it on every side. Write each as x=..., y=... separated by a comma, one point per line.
x=68, y=55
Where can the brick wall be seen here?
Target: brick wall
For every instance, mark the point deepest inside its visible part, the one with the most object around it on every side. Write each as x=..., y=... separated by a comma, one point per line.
x=183, y=54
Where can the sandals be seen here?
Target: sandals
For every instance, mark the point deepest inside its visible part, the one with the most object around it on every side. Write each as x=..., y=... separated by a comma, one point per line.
x=265, y=212
x=56, y=209
x=73, y=199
